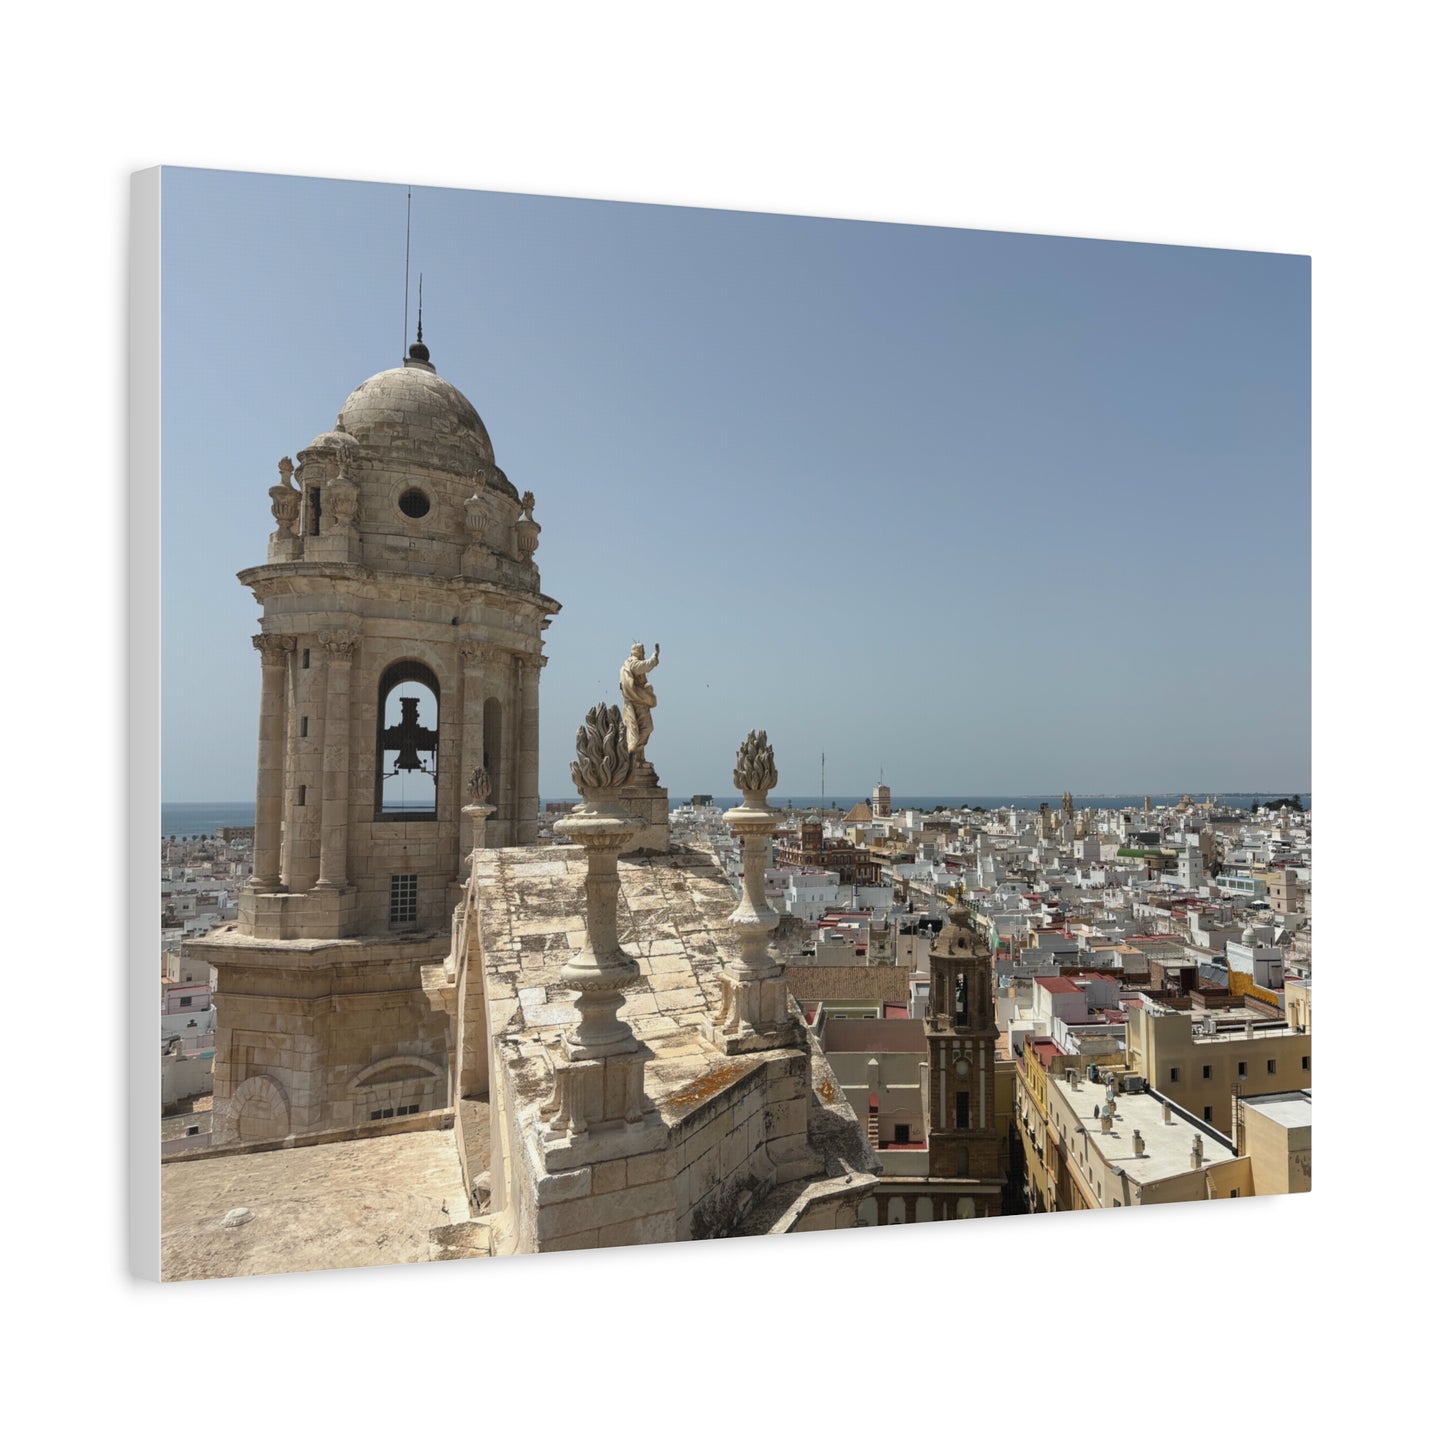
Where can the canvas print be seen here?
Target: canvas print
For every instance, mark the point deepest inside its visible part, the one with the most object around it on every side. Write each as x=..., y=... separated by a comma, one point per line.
x=682, y=725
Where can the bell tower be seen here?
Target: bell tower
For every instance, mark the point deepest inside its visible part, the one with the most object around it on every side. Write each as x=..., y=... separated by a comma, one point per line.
x=963, y=1141
x=400, y=650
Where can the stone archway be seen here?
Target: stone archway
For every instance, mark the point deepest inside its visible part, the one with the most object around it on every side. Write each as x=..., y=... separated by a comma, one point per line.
x=397, y=1085
x=257, y=1111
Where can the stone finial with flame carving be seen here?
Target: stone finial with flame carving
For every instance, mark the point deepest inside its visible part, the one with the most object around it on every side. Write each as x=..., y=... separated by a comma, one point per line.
x=603, y=763
x=479, y=785
x=756, y=771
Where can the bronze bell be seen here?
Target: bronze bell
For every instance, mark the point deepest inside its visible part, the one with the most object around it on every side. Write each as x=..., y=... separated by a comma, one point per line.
x=408, y=736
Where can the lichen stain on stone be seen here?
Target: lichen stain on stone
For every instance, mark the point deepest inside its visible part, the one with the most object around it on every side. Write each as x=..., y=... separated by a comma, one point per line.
x=825, y=1091
x=709, y=1085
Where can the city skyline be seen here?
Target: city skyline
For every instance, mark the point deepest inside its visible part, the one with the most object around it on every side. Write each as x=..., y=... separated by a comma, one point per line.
x=991, y=512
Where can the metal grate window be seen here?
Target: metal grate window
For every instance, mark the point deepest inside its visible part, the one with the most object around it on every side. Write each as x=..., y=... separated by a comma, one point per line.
x=403, y=897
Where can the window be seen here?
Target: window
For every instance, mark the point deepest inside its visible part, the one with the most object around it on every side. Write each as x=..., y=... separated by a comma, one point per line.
x=1243, y=1069
x=1269, y=1066
x=1208, y=1114
x=186, y=1002
x=382, y=1113
x=301, y=796
x=407, y=742
x=313, y=511
x=305, y=657
x=1209, y=1071
x=1173, y=1076
x=304, y=724
x=414, y=503
x=900, y=1133
x=960, y=1110
x=1305, y=1062
x=403, y=898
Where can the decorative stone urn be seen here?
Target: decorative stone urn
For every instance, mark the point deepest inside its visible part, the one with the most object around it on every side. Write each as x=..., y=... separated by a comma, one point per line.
x=525, y=530
x=600, y=970
x=754, y=1013
x=285, y=509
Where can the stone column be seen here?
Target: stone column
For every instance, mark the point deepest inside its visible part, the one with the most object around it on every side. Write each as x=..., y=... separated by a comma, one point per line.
x=754, y=1013
x=336, y=758
x=600, y=970
x=598, y=1078
x=298, y=861
x=512, y=691
x=271, y=759
x=499, y=678
x=472, y=744
x=528, y=802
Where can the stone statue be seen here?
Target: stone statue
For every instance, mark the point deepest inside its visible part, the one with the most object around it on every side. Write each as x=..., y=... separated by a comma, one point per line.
x=638, y=698
x=528, y=502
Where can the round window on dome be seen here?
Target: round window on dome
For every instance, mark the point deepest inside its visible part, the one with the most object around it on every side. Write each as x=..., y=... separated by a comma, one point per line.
x=414, y=503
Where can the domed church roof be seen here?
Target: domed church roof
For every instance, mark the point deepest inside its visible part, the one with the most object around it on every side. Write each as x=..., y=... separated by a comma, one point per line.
x=412, y=415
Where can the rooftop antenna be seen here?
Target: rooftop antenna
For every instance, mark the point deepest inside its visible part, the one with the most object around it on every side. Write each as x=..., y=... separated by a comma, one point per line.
x=822, y=779
x=406, y=299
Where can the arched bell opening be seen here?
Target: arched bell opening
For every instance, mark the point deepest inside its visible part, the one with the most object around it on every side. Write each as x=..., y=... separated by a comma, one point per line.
x=407, y=741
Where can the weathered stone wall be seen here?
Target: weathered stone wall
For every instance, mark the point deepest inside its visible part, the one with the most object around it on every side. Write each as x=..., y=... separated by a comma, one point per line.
x=616, y=1201
x=726, y=1149
x=321, y=1037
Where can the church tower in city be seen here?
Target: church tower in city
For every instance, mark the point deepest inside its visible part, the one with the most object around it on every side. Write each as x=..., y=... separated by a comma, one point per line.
x=963, y=1138
x=400, y=652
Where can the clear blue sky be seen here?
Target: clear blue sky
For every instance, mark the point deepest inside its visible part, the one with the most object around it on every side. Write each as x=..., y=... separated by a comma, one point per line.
x=991, y=512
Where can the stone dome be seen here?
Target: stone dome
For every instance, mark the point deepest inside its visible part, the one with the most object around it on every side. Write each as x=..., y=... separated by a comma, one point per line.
x=411, y=416
x=332, y=441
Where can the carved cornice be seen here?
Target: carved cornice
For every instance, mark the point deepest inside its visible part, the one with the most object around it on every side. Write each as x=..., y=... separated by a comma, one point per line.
x=273, y=647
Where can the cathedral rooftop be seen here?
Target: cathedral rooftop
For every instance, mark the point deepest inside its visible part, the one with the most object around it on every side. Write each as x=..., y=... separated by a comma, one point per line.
x=673, y=912
x=375, y=1199
x=672, y=917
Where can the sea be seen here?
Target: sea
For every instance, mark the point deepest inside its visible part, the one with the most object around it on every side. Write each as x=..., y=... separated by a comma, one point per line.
x=202, y=820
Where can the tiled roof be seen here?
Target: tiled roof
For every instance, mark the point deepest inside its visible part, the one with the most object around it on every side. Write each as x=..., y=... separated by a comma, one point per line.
x=1058, y=985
